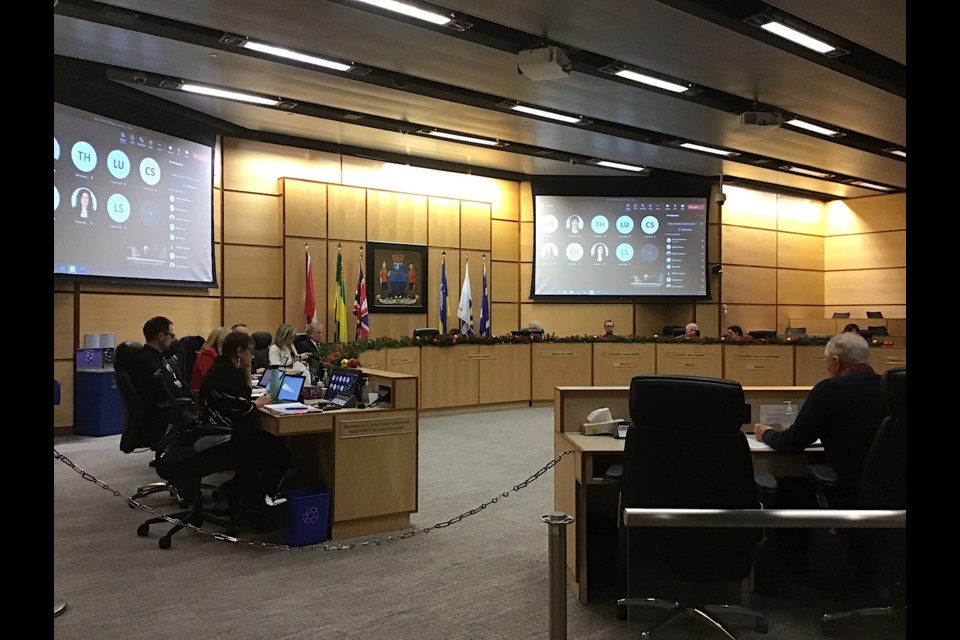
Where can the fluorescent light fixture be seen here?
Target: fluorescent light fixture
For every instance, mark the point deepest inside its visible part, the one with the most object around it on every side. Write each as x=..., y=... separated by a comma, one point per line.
x=809, y=126
x=561, y=117
x=229, y=95
x=870, y=185
x=808, y=172
x=699, y=147
x=280, y=52
x=650, y=80
x=459, y=137
x=897, y=152
x=410, y=10
x=802, y=39
x=618, y=165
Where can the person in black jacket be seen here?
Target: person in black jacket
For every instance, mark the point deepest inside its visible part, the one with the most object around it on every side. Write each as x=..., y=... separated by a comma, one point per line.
x=158, y=338
x=225, y=399
x=842, y=411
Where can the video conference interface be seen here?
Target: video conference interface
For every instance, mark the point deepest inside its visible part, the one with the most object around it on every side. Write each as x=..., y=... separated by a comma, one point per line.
x=620, y=246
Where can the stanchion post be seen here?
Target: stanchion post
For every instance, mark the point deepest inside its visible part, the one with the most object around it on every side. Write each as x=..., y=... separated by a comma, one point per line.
x=557, y=535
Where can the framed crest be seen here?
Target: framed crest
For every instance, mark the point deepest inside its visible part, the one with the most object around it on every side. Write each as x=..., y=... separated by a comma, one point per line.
x=396, y=278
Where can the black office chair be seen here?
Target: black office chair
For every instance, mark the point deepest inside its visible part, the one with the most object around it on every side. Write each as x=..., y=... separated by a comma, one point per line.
x=874, y=314
x=261, y=349
x=841, y=314
x=880, y=330
x=685, y=450
x=796, y=331
x=187, y=349
x=668, y=330
x=880, y=554
x=135, y=436
x=183, y=467
x=763, y=334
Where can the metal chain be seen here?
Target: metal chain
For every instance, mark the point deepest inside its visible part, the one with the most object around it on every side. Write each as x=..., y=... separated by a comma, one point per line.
x=325, y=547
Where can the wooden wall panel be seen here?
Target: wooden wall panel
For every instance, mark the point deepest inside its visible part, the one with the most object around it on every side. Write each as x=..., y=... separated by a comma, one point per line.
x=252, y=272
x=869, y=288
x=504, y=281
x=708, y=320
x=794, y=315
x=749, y=285
x=713, y=243
x=394, y=325
x=504, y=318
x=304, y=209
x=888, y=310
x=866, y=251
x=526, y=202
x=747, y=208
x=63, y=412
x=506, y=204
x=526, y=280
x=576, y=319
x=396, y=217
x=799, y=287
x=866, y=215
x=746, y=246
x=475, y=226
x=99, y=313
x=257, y=166
x=217, y=215
x=63, y=339
x=526, y=242
x=505, y=240
x=652, y=318
x=443, y=222
x=797, y=251
x=252, y=218
x=750, y=317
x=295, y=279
x=346, y=213
x=800, y=215
x=258, y=314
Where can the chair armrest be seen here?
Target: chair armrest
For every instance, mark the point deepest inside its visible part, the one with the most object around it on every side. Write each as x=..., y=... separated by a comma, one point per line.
x=765, y=482
x=823, y=474
x=614, y=472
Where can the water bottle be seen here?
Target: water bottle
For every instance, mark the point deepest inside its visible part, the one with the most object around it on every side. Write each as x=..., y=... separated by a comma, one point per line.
x=274, y=388
x=789, y=414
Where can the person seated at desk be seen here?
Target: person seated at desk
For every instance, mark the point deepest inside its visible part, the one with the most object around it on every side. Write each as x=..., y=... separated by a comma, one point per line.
x=690, y=332
x=159, y=338
x=734, y=333
x=261, y=458
x=282, y=353
x=853, y=327
x=209, y=353
x=312, y=340
x=842, y=411
x=241, y=327
x=607, y=330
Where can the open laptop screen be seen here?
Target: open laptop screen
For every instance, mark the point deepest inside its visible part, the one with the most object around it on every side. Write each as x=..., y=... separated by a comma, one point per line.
x=290, y=387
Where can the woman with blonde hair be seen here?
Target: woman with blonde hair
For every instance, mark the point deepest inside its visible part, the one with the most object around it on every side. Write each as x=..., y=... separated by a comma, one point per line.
x=207, y=354
x=282, y=352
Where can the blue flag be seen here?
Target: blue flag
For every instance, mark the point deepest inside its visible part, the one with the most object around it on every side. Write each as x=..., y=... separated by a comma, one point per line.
x=485, y=307
x=443, y=296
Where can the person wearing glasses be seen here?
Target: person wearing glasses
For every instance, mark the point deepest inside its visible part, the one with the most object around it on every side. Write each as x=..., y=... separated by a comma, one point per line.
x=608, y=330
x=159, y=339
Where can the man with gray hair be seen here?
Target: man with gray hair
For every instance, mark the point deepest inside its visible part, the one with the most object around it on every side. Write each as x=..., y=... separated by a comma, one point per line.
x=843, y=412
x=312, y=340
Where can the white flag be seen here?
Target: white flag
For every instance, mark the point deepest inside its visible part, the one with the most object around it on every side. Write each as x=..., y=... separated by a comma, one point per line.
x=465, y=310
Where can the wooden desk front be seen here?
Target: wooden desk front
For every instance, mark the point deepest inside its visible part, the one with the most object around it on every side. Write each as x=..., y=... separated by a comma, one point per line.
x=367, y=458
x=579, y=485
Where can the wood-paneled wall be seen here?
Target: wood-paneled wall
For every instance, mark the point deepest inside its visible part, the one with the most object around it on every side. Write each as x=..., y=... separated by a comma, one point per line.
x=782, y=257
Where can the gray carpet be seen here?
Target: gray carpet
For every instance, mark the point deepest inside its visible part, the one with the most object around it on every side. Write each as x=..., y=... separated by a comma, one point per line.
x=483, y=578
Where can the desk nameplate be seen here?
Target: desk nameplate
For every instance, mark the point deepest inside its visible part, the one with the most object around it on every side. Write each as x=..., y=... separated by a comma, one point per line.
x=376, y=427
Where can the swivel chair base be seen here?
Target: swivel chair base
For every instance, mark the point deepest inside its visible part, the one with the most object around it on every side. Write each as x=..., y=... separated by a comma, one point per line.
x=196, y=516
x=707, y=613
x=831, y=621
x=158, y=487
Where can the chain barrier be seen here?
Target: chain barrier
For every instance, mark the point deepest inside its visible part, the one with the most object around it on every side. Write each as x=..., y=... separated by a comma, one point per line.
x=325, y=547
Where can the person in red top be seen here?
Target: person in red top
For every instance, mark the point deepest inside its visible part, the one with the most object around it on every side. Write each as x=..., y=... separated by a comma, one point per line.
x=208, y=353
x=384, y=280
x=411, y=280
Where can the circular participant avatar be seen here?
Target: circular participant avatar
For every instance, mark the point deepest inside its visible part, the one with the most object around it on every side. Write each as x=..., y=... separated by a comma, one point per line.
x=549, y=251
x=624, y=252
x=649, y=252
x=118, y=208
x=624, y=224
x=549, y=224
x=599, y=224
x=600, y=252
x=574, y=251
x=649, y=225
x=149, y=213
x=574, y=224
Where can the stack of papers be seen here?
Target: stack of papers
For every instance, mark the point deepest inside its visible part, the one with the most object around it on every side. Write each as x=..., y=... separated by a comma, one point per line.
x=291, y=407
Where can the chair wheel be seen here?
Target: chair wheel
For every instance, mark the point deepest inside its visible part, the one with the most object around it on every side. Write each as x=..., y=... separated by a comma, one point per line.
x=143, y=530
x=130, y=504
x=165, y=542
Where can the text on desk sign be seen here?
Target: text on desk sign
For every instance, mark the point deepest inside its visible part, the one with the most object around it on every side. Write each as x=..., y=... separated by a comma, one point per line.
x=558, y=354
x=760, y=356
x=691, y=355
x=402, y=360
x=375, y=427
x=480, y=356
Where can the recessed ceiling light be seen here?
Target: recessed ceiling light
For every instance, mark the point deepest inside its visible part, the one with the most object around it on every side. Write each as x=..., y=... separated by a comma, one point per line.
x=700, y=147
x=643, y=78
x=288, y=54
x=410, y=10
x=897, y=152
x=229, y=95
x=618, y=165
x=809, y=126
x=807, y=172
x=459, y=137
x=543, y=113
x=870, y=185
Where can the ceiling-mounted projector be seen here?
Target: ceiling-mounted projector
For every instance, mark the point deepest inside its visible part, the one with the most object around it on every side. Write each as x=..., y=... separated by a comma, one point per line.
x=546, y=63
x=761, y=119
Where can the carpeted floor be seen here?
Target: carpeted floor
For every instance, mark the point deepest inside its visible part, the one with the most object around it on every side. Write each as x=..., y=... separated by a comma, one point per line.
x=483, y=578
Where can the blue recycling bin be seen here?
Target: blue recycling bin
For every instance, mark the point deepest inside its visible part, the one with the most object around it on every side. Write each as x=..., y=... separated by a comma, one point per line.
x=99, y=409
x=309, y=516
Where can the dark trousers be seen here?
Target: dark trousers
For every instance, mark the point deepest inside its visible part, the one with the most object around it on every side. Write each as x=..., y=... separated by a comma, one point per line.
x=261, y=460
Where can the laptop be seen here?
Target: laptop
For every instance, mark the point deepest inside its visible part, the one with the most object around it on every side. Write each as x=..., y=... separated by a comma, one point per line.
x=291, y=387
x=264, y=380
